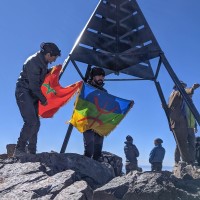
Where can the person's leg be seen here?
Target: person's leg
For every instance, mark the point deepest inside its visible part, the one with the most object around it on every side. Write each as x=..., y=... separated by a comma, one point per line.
x=130, y=167
x=177, y=155
x=127, y=166
x=88, y=138
x=32, y=146
x=156, y=166
x=159, y=166
x=30, y=117
x=98, y=145
x=180, y=135
x=198, y=161
x=153, y=167
x=191, y=145
x=134, y=166
x=198, y=155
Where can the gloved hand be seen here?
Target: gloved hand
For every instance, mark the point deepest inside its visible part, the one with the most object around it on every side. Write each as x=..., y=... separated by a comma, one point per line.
x=195, y=86
x=45, y=103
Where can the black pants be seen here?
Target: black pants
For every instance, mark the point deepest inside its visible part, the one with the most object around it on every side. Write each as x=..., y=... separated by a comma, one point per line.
x=93, y=144
x=156, y=166
x=131, y=167
x=28, y=107
x=190, y=146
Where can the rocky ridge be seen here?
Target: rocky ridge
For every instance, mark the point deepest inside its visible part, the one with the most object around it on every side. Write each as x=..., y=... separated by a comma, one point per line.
x=72, y=176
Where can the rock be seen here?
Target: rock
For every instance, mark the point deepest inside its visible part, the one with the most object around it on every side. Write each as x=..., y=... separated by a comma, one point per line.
x=3, y=156
x=32, y=179
x=77, y=191
x=71, y=176
x=114, y=160
x=10, y=149
x=94, y=173
x=148, y=186
x=182, y=170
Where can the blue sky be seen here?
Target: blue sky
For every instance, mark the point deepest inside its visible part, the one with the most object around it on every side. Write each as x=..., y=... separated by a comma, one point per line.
x=25, y=24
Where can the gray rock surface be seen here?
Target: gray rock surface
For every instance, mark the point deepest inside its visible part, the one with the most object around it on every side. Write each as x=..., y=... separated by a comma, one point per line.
x=149, y=186
x=186, y=171
x=71, y=176
x=77, y=191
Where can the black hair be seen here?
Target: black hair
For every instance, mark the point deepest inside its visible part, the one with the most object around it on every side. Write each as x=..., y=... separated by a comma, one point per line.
x=49, y=47
x=129, y=138
x=158, y=140
x=95, y=71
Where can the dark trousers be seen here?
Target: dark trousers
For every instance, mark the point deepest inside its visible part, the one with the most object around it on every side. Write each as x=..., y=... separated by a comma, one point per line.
x=156, y=166
x=181, y=137
x=131, y=167
x=28, y=107
x=93, y=144
x=190, y=146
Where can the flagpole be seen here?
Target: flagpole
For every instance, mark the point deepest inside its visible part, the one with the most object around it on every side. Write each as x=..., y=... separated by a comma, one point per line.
x=66, y=140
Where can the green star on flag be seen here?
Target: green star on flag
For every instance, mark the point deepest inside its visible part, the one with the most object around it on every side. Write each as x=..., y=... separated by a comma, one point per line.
x=49, y=89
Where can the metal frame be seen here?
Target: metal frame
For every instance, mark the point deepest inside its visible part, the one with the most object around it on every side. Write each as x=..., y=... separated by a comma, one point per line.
x=103, y=54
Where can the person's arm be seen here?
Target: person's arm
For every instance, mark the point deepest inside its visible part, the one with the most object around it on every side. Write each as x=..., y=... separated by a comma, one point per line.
x=190, y=90
x=33, y=74
x=195, y=86
x=151, y=155
x=136, y=151
x=125, y=150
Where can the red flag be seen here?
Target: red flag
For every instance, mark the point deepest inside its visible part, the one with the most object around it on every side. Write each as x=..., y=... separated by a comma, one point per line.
x=56, y=95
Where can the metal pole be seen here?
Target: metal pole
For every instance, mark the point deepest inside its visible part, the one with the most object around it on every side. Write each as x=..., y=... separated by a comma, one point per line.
x=162, y=98
x=66, y=140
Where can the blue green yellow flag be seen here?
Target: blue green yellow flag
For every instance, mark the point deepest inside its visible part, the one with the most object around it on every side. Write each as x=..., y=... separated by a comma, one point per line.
x=98, y=110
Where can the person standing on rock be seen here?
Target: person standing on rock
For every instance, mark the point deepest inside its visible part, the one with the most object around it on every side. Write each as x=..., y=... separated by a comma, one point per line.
x=192, y=130
x=179, y=124
x=93, y=142
x=131, y=153
x=157, y=155
x=28, y=94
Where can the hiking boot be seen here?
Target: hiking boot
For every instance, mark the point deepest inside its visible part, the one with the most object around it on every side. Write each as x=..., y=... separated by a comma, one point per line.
x=19, y=153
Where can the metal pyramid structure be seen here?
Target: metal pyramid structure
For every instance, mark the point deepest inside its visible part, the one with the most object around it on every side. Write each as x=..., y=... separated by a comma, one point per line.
x=118, y=39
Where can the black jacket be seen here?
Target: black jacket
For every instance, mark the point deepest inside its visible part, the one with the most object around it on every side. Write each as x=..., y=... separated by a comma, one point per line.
x=157, y=154
x=32, y=76
x=131, y=152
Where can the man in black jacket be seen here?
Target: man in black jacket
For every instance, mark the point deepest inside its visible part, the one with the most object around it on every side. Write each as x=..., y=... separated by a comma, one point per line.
x=93, y=142
x=28, y=94
x=131, y=153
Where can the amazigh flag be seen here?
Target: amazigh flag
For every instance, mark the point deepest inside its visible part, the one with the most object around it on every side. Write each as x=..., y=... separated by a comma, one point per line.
x=98, y=110
x=56, y=95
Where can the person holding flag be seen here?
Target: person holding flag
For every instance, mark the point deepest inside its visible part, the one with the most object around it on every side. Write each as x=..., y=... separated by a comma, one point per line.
x=97, y=113
x=93, y=142
x=28, y=94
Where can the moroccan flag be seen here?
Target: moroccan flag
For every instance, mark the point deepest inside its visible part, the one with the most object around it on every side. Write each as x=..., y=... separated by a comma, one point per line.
x=56, y=95
x=98, y=110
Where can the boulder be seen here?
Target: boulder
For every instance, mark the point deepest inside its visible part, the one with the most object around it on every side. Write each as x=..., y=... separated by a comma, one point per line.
x=149, y=186
x=72, y=176
x=114, y=160
x=185, y=171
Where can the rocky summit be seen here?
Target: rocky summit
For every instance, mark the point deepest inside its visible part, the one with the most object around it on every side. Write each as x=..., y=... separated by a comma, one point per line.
x=72, y=176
